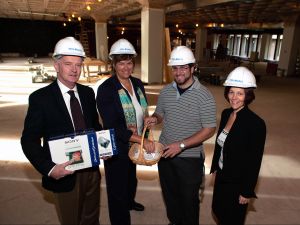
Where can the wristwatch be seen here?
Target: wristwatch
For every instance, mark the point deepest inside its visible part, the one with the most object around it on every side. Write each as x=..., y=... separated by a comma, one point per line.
x=182, y=146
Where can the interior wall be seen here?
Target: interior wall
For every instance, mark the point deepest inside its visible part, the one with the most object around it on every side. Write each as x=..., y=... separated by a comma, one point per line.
x=32, y=38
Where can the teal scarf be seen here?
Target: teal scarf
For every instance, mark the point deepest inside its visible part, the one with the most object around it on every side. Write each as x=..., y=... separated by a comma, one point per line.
x=128, y=108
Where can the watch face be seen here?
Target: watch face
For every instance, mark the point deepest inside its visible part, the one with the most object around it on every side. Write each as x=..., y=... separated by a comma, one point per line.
x=182, y=145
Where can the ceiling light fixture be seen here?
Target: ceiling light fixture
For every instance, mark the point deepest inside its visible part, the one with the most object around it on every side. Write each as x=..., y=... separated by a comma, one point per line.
x=38, y=13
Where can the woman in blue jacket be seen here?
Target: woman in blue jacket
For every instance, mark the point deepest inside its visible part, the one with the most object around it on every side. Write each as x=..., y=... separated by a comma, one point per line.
x=238, y=150
x=122, y=104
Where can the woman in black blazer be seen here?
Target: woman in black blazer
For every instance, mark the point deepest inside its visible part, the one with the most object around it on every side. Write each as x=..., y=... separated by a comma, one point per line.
x=238, y=150
x=122, y=104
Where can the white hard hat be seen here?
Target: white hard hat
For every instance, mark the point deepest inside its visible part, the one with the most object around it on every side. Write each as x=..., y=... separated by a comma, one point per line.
x=68, y=46
x=241, y=77
x=181, y=55
x=122, y=46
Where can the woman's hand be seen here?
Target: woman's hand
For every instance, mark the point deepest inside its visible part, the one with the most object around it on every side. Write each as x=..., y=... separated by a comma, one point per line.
x=133, y=129
x=105, y=157
x=243, y=200
x=149, y=146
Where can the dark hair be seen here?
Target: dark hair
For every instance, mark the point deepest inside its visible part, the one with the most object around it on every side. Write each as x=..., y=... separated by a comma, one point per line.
x=249, y=94
x=117, y=58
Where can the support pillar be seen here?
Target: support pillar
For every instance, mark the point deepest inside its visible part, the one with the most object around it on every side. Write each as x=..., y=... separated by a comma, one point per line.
x=290, y=47
x=201, y=37
x=263, y=46
x=101, y=41
x=152, y=34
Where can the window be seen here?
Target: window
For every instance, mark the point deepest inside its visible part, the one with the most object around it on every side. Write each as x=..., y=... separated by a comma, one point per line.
x=253, y=44
x=272, y=47
x=244, y=45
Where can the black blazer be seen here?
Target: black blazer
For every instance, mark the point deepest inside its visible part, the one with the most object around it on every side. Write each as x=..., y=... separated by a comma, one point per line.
x=111, y=111
x=47, y=117
x=242, y=151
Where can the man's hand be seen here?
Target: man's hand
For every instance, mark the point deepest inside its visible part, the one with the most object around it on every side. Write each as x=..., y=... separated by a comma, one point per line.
x=150, y=121
x=59, y=170
x=172, y=150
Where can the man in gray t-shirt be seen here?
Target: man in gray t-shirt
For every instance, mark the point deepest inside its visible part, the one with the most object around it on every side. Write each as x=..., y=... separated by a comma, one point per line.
x=188, y=112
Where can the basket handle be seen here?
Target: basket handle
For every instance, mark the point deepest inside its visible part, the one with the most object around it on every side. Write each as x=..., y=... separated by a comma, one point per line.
x=143, y=137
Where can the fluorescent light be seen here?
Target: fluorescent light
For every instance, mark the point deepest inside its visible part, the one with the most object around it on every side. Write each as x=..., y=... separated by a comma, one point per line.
x=37, y=13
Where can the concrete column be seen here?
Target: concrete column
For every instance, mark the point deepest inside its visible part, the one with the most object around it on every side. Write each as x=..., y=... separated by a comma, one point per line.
x=101, y=41
x=201, y=37
x=152, y=34
x=290, y=47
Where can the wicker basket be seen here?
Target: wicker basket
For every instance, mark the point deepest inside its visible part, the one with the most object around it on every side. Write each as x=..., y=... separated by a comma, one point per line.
x=138, y=154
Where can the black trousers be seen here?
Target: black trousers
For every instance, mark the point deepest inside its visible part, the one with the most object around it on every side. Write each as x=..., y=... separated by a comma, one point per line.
x=180, y=180
x=225, y=203
x=121, y=182
x=132, y=183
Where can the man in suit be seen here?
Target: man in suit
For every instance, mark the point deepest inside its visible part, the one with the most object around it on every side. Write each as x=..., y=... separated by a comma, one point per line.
x=50, y=114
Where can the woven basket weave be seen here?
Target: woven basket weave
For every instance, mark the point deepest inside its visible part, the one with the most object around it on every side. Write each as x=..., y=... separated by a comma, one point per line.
x=138, y=154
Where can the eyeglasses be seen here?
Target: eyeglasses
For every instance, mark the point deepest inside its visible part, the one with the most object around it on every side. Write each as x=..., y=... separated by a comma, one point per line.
x=180, y=68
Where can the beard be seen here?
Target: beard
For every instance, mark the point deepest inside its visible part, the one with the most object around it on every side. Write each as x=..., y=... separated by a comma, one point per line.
x=182, y=79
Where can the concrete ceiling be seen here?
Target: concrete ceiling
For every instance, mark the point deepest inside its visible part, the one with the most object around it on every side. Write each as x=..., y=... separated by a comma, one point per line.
x=185, y=12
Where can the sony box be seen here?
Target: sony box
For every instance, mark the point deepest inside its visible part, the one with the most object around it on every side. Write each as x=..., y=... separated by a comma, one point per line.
x=106, y=142
x=82, y=149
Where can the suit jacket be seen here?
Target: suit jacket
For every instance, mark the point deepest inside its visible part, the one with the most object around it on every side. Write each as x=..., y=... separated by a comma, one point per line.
x=242, y=150
x=111, y=111
x=47, y=117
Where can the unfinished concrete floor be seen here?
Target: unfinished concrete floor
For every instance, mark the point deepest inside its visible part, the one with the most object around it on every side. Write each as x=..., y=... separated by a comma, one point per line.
x=23, y=201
